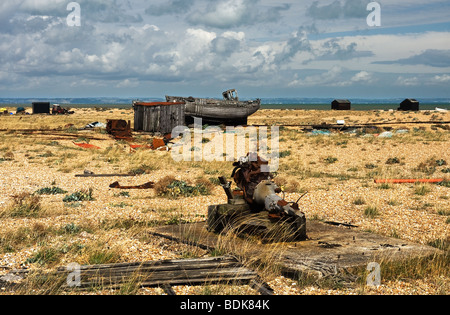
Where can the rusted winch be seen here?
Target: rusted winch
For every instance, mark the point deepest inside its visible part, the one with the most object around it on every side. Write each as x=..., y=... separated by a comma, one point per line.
x=255, y=207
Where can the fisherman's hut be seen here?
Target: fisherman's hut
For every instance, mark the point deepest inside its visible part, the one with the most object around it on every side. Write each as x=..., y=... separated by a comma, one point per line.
x=341, y=105
x=410, y=105
x=159, y=117
x=41, y=108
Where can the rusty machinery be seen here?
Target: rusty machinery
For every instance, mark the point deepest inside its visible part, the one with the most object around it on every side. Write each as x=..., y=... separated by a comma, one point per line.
x=119, y=129
x=255, y=208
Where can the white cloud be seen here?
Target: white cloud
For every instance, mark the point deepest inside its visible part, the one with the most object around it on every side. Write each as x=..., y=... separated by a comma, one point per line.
x=408, y=81
x=127, y=83
x=335, y=77
x=362, y=77
x=442, y=78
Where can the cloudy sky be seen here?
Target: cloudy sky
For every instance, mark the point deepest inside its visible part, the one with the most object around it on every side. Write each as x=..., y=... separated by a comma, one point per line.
x=263, y=48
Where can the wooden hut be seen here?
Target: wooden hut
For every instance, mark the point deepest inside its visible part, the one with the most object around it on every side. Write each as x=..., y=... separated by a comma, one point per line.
x=159, y=117
x=410, y=105
x=41, y=108
x=341, y=105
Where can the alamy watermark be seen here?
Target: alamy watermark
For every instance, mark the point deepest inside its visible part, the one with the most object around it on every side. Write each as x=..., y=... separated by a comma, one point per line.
x=374, y=18
x=74, y=17
x=374, y=277
x=227, y=146
x=74, y=278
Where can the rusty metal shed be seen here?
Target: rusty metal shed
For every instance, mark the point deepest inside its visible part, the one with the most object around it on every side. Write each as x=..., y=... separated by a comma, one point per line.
x=341, y=105
x=41, y=108
x=410, y=105
x=159, y=117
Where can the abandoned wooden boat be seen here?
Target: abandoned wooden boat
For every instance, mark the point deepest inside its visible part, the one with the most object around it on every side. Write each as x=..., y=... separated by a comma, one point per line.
x=229, y=110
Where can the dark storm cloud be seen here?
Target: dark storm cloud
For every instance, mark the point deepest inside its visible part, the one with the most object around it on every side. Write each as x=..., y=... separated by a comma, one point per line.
x=430, y=57
x=339, y=9
x=104, y=11
x=334, y=50
x=170, y=7
x=235, y=13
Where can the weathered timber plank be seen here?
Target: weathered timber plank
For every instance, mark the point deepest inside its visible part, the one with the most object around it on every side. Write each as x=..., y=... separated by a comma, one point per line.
x=184, y=262
x=155, y=269
x=262, y=287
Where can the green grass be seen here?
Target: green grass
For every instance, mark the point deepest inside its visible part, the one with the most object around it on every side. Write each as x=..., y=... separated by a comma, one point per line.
x=83, y=195
x=170, y=188
x=284, y=154
x=359, y=201
x=45, y=256
x=101, y=257
x=371, y=212
x=394, y=160
x=422, y=190
x=50, y=191
x=384, y=186
x=330, y=160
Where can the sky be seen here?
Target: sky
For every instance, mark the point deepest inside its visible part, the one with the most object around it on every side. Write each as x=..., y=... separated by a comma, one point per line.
x=262, y=48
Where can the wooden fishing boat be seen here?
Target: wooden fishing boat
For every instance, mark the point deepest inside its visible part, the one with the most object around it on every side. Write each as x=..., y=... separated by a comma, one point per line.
x=229, y=110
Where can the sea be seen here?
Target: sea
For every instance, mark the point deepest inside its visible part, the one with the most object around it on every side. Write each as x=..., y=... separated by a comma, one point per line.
x=266, y=103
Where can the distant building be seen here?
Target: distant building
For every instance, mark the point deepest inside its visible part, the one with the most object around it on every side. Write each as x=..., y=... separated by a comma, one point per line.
x=341, y=105
x=41, y=108
x=410, y=105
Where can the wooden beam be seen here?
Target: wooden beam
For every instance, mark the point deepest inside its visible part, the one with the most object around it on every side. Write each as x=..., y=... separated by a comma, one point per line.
x=165, y=274
x=105, y=175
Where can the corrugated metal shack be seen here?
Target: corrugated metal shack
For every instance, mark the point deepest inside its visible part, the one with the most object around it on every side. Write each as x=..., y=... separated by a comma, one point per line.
x=41, y=108
x=341, y=105
x=158, y=117
x=410, y=105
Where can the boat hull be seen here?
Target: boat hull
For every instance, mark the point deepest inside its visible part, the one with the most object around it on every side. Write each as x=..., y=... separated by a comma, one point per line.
x=218, y=111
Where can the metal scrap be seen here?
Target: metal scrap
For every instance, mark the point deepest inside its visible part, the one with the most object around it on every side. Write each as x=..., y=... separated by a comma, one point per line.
x=148, y=185
x=87, y=146
x=119, y=129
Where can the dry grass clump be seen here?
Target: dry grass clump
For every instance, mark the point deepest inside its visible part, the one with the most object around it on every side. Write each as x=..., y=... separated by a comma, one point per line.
x=289, y=186
x=23, y=205
x=15, y=239
x=371, y=212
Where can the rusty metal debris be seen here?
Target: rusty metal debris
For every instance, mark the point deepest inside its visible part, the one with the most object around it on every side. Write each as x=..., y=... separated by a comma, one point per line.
x=87, y=146
x=119, y=129
x=58, y=110
x=116, y=185
x=255, y=207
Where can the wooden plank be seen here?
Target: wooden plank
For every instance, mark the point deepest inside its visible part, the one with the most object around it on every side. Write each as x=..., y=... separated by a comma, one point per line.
x=226, y=270
x=349, y=248
x=156, y=269
x=185, y=276
x=168, y=289
x=262, y=287
x=183, y=262
x=105, y=175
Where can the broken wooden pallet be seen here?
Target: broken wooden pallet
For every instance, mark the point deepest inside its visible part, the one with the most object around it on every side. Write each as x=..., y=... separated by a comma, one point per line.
x=165, y=274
